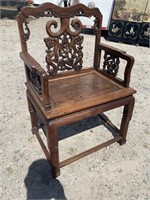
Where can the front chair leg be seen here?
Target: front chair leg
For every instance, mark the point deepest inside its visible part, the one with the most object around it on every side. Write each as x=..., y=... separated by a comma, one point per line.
x=127, y=115
x=52, y=140
x=34, y=120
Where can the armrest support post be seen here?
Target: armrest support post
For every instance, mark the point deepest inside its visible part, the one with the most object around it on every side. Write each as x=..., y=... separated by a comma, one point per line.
x=45, y=91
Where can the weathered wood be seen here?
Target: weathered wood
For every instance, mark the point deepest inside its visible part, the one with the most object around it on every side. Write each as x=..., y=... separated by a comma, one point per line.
x=57, y=99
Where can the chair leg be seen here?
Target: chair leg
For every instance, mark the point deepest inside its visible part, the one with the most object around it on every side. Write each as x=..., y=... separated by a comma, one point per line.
x=127, y=115
x=34, y=120
x=52, y=140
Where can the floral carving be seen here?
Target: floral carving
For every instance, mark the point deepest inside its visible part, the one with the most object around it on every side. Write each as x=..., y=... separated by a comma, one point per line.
x=111, y=64
x=64, y=47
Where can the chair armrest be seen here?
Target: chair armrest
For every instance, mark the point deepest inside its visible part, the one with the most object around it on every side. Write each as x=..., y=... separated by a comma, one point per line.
x=31, y=63
x=114, y=55
x=37, y=78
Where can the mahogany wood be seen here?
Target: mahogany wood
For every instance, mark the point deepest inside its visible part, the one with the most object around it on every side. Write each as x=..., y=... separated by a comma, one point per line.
x=66, y=92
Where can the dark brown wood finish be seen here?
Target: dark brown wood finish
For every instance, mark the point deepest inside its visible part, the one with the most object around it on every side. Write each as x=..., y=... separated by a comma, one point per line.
x=56, y=99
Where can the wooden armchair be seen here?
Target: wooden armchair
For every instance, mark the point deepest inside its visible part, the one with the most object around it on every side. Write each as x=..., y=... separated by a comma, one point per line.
x=67, y=92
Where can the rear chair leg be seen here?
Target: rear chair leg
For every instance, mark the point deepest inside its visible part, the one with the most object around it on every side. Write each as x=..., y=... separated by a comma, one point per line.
x=52, y=140
x=34, y=121
x=127, y=115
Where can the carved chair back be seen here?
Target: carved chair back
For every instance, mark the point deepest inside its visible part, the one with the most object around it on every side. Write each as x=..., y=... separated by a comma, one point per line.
x=64, y=42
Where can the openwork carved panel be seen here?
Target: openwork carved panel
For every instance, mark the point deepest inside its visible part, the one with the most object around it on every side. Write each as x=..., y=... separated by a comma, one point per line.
x=111, y=64
x=35, y=79
x=64, y=47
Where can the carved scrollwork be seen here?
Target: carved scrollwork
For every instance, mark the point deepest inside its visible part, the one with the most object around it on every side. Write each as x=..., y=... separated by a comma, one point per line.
x=64, y=46
x=49, y=30
x=111, y=64
x=64, y=53
x=75, y=23
x=26, y=31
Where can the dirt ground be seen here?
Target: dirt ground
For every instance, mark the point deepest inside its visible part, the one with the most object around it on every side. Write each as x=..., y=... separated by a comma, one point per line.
x=114, y=173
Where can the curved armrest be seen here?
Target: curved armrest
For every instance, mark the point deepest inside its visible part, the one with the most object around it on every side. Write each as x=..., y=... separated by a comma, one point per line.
x=114, y=52
x=32, y=63
x=37, y=78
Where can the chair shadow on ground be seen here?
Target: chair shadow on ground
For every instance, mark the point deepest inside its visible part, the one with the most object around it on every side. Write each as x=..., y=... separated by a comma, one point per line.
x=40, y=184
x=84, y=125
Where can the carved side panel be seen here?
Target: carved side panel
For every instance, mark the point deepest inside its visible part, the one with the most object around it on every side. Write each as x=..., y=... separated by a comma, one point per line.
x=111, y=64
x=35, y=79
x=64, y=47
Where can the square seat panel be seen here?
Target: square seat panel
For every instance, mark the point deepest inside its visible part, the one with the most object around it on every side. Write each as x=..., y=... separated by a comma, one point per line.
x=83, y=90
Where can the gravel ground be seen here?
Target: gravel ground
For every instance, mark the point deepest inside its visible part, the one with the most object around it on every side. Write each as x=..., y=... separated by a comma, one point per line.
x=114, y=173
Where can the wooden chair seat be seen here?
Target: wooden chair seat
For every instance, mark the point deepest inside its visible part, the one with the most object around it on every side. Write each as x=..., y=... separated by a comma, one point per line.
x=82, y=90
x=67, y=92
